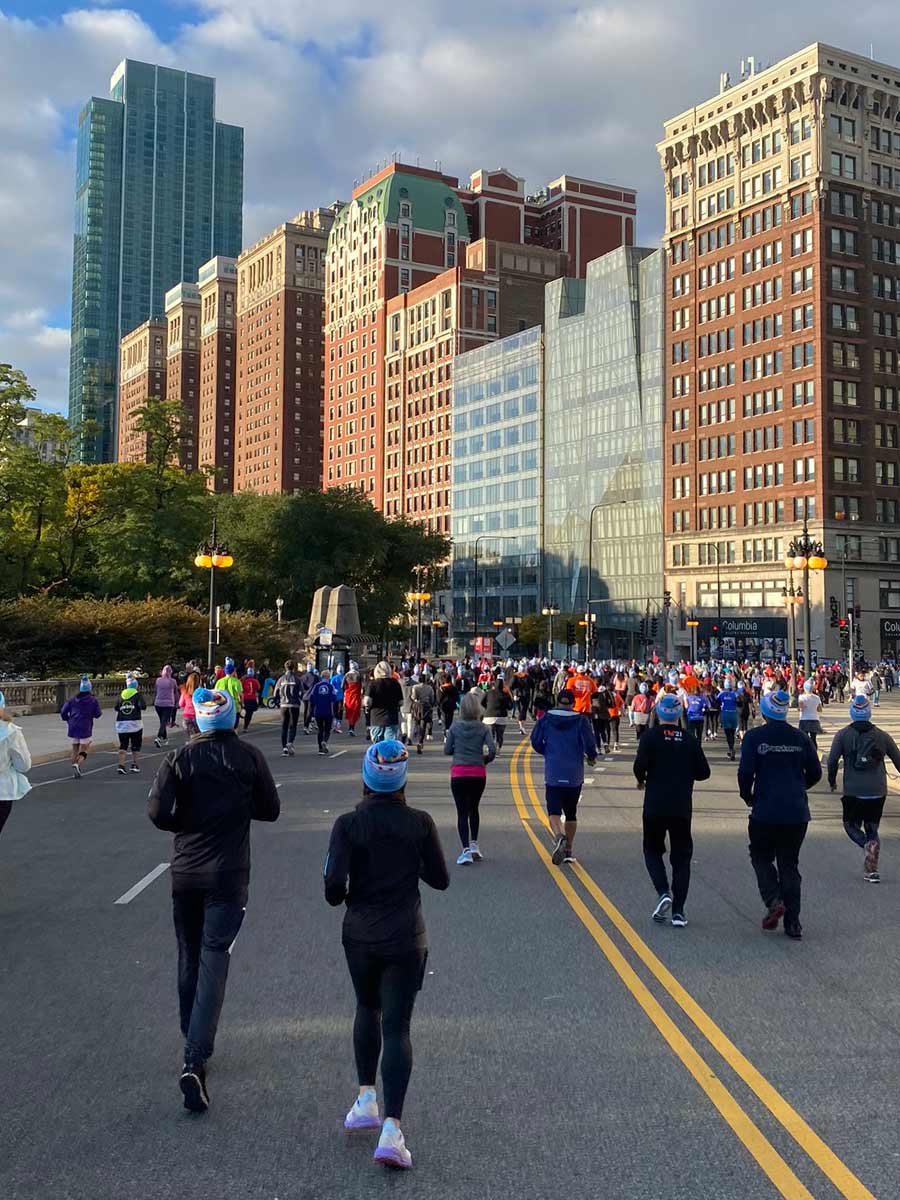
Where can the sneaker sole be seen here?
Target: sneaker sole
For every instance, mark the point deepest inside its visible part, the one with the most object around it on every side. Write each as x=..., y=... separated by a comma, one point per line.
x=770, y=920
x=558, y=855
x=662, y=910
x=192, y=1090
x=364, y=1126
x=679, y=924
x=390, y=1158
x=872, y=878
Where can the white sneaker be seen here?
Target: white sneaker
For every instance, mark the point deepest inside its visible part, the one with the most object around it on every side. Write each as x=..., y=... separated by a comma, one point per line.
x=76, y=770
x=363, y=1114
x=465, y=859
x=477, y=856
x=663, y=908
x=391, y=1149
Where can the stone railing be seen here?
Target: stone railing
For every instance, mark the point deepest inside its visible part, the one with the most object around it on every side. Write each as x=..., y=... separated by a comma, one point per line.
x=49, y=695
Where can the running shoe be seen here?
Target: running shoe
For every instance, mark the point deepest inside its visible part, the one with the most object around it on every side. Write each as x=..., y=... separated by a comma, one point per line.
x=663, y=908
x=774, y=915
x=570, y=857
x=872, y=877
x=679, y=920
x=325, y=750
x=794, y=930
x=120, y=770
x=351, y=733
x=429, y=737
x=364, y=1114
x=285, y=752
x=419, y=749
x=477, y=856
x=872, y=850
x=465, y=859
x=391, y=1149
x=76, y=770
x=135, y=769
x=193, y=1088
x=157, y=742
x=290, y=749
x=559, y=850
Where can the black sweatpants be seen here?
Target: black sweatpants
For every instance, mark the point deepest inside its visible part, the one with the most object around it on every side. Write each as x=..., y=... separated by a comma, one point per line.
x=467, y=792
x=775, y=854
x=861, y=819
x=386, y=990
x=166, y=715
x=207, y=920
x=289, y=718
x=5, y=810
x=250, y=707
x=681, y=849
x=323, y=730
x=601, y=730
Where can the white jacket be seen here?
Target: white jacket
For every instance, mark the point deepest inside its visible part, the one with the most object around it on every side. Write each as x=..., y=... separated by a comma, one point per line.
x=15, y=760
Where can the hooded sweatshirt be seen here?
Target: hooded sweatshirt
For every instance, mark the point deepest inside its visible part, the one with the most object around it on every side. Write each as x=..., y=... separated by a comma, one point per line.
x=858, y=740
x=565, y=739
x=166, y=695
x=80, y=713
x=129, y=707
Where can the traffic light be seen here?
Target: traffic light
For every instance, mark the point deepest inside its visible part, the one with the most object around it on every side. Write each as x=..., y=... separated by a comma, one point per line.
x=643, y=629
x=654, y=626
x=667, y=601
x=715, y=627
x=844, y=630
x=857, y=611
x=570, y=633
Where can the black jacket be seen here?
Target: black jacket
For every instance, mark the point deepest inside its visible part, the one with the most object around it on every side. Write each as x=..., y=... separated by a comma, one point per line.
x=376, y=857
x=668, y=763
x=386, y=696
x=497, y=702
x=207, y=793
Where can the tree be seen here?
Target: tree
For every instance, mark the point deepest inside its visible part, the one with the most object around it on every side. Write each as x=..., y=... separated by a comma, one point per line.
x=16, y=393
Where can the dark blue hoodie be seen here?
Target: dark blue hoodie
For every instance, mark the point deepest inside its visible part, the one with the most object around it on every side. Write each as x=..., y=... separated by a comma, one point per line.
x=565, y=739
x=778, y=763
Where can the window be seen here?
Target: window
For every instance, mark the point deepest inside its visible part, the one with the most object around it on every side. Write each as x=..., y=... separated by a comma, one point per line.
x=845, y=431
x=849, y=545
x=843, y=279
x=889, y=593
x=843, y=204
x=802, y=317
x=804, y=470
x=887, y=474
x=843, y=392
x=801, y=279
x=843, y=165
x=846, y=508
x=802, y=355
x=886, y=436
x=801, y=204
x=801, y=130
x=886, y=511
x=804, y=431
x=888, y=549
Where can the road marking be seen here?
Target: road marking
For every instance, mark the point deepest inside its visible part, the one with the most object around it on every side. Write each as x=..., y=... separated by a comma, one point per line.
x=128, y=896
x=338, y=755
x=808, y=1140
x=778, y=1171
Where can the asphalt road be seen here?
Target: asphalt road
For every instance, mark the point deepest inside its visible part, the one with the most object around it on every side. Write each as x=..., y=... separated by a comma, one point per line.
x=564, y=1044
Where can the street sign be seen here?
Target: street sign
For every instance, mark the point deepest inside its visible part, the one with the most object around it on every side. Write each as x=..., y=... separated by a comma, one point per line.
x=505, y=640
x=484, y=645
x=325, y=636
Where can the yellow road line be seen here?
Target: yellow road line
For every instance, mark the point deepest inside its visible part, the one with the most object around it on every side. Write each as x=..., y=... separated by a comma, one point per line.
x=762, y=1150
x=821, y=1154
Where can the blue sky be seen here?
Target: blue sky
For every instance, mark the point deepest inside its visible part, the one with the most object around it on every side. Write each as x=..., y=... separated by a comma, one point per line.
x=324, y=91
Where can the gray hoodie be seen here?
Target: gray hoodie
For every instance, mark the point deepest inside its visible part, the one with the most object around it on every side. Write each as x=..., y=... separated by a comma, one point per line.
x=466, y=741
x=864, y=784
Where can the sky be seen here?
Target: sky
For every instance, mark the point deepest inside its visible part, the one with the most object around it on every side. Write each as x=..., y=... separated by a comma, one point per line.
x=325, y=91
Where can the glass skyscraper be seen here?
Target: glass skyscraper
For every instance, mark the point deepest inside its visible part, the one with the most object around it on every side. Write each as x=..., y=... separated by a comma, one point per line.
x=603, y=473
x=158, y=192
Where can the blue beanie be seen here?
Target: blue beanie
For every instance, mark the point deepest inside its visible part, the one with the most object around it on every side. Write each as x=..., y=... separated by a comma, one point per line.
x=214, y=710
x=229, y=666
x=775, y=705
x=669, y=708
x=86, y=685
x=807, y=685
x=860, y=709
x=385, y=765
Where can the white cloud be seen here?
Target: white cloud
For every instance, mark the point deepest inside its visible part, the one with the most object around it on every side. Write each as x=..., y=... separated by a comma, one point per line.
x=324, y=91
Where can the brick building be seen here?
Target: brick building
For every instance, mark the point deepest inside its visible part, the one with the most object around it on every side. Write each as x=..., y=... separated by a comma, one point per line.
x=142, y=375
x=280, y=301
x=783, y=311
x=217, y=287
x=182, y=307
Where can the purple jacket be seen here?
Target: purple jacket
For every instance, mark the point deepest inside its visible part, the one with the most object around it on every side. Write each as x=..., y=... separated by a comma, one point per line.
x=80, y=713
x=166, y=692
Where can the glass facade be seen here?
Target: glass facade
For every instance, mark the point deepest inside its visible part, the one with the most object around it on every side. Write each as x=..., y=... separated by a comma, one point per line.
x=496, y=475
x=158, y=192
x=603, y=405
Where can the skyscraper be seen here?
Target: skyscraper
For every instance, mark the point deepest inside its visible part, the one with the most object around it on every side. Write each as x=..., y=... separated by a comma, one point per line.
x=158, y=192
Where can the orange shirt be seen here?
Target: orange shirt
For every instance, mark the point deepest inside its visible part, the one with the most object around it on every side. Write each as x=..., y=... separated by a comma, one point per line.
x=691, y=684
x=583, y=687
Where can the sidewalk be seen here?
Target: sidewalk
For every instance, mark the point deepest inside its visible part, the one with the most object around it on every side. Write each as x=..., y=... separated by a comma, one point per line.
x=48, y=741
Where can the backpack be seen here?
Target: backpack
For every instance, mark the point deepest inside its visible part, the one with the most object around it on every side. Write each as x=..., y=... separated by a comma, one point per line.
x=866, y=754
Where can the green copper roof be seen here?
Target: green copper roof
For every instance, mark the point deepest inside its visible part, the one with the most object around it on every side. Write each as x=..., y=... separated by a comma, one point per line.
x=430, y=199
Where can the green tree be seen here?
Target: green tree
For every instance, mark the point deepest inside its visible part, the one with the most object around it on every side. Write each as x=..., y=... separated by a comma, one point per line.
x=16, y=393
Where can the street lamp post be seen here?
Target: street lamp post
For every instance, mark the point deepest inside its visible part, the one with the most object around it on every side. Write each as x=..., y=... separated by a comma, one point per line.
x=587, y=607
x=279, y=605
x=806, y=554
x=213, y=555
x=550, y=611
x=692, y=625
x=792, y=597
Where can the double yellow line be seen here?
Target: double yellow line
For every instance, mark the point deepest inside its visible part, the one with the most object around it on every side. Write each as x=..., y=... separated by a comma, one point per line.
x=752, y=1137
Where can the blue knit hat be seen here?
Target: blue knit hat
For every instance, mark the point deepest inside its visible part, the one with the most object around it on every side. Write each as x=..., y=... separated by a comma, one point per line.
x=860, y=709
x=214, y=710
x=774, y=706
x=385, y=765
x=669, y=708
x=229, y=666
x=86, y=685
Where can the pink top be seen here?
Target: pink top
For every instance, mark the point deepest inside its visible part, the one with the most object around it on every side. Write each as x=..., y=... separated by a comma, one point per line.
x=187, y=703
x=473, y=771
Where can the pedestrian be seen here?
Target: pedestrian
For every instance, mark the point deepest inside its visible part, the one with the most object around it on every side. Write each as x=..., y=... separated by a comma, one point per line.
x=130, y=707
x=522, y=691
x=386, y=699
x=186, y=704
x=448, y=698
x=376, y=856
x=15, y=761
x=321, y=705
x=498, y=703
x=861, y=686
x=696, y=713
x=352, y=698
x=713, y=710
x=863, y=747
x=165, y=701
x=667, y=765
x=728, y=699
x=423, y=701
x=543, y=700
x=407, y=683
x=230, y=683
x=80, y=712
x=810, y=711
x=471, y=743
x=744, y=708
x=601, y=702
x=564, y=738
x=639, y=713
x=207, y=792
x=875, y=680
x=778, y=764
x=308, y=681
x=249, y=695
x=287, y=696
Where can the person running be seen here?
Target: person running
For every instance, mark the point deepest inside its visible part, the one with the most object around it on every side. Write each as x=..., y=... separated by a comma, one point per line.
x=778, y=764
x=713, y=710
x=472, y=745
x=448, y=698
x=728, y=699
x=582, y=686
x=601, y=702
x=616, y=708
x=15, y=762
x=860, y=686
x=498, y=704
x=667, y=765
x=308, y=680
x=230, y=683
x=564, y=739
x=376, y=856
x=352, y=698
x=641, y=707
x=165, y=701
x=130, y=707
x=863, y=747
x=542, y=701
x=744, y=708
x=337, y=685
x=186, y=704
x=80, y=712
x=207, y=793
x=249, y=695
x=321, y=705
x=386, y=700
x=423, y=701
x=696, y=713
x=287, y=696
x=810, y=712
x=522, y=691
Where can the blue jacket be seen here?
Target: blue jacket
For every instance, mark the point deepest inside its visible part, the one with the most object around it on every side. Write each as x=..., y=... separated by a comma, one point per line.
x=778, y=763
x=565, y=739
x=321, y=699
x=696, y=707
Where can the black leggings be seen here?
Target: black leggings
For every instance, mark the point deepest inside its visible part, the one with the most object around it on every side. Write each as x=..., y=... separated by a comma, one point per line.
x=289, y=718
x=614, y=728
x=386, y=990
x=499, y=732
x=681, y=847
x=5, y=810
x=862, y=818
x=601, y=730
x=323, y=730
x=447, y=711
x=467, y=792
x=166, y=716
x=250, y=707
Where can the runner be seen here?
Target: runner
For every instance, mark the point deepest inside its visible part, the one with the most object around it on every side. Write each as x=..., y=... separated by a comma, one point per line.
x=423, y=701
x=810, y=711
x=232, y=685
x=287, y=695
x=207, y=793
x=667, y=765
x=641, y=707
x=308, y=680
x=564, y=738
x=696, y=713
x=352, y=698
x=337, y=684
x=522, y=690
x=376, y=857
x=448, y=698
x=321, y=705
x=863, y=748
x=386, y=698
x=165, y=701
x=728, y=704
x=498, y=703
x=472, y=746
x=80, y=712
x=186, y=704
x=744, y=708
x=249, y=695
x=130, y=725
x=778, y=764
x=15, y=761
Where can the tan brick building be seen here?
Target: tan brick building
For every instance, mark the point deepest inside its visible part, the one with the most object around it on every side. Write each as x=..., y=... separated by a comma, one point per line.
x=183, y=362
x=782, y=320
x=142, y=375
x=217, y=287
